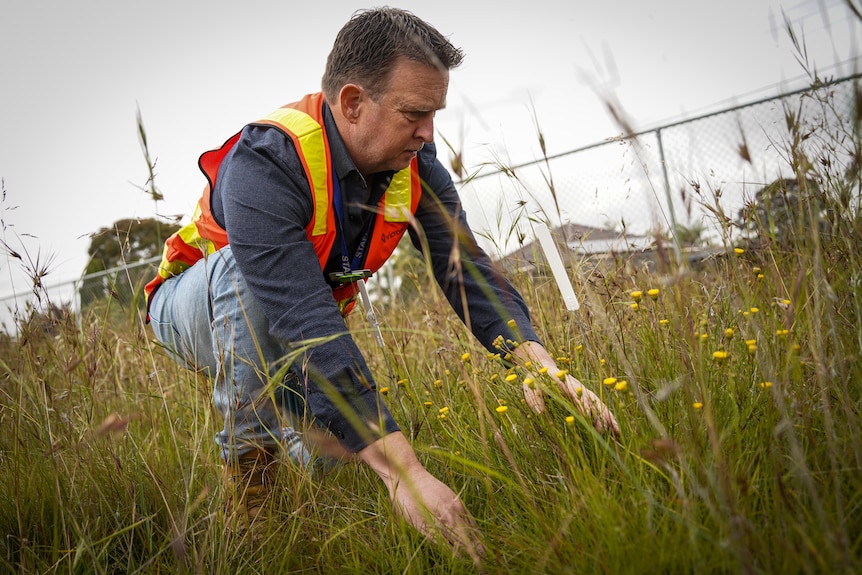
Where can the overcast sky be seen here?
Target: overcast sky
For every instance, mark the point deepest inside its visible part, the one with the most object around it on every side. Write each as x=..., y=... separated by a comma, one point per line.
x=73, y=74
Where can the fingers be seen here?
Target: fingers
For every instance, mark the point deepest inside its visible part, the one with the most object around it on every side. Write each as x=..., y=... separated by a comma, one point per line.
x=592, y=407
x=534, y=398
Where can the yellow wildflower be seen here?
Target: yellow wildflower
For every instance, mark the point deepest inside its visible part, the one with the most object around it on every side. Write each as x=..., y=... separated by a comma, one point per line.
x=621, y=385
x=543, y=370
x=438, y=382
x=754, y=310
x=781, y=332
x=511, y=323
x=465, y=356
x=637, y=295
x=653, y=293
x=528, y=381
x=697, y=405
x=609, y=380
x=765, y=384
x=494, y=376
x=511, y=377
x=562, y=373
x=663, y=322
x=570, y=420
x=738, y=251
x=528, y=364
x=635, y=306
x=756, y=269
x=444, y=410
x=384, y=390
x=501, y=408
x=720, y=355
x=728, y=333
x=428, y=404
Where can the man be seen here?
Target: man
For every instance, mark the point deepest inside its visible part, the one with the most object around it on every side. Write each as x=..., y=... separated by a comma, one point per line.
x=311, y=196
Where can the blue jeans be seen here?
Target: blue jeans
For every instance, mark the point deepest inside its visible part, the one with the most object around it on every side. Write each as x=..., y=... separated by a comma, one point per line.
x=208, y=320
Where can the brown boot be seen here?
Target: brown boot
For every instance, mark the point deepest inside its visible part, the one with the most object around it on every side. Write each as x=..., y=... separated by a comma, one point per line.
x=248, y=483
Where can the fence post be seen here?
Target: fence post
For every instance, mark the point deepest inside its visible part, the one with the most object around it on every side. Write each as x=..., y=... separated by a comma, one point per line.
x=676, y=247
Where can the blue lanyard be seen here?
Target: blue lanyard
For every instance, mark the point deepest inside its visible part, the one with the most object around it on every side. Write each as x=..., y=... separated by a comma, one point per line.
x=346, y=264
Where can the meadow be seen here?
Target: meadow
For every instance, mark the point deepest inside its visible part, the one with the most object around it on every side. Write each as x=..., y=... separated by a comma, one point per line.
x=735, y=382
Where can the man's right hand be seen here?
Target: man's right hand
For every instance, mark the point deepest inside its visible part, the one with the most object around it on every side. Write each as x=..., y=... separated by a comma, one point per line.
x=423, y=500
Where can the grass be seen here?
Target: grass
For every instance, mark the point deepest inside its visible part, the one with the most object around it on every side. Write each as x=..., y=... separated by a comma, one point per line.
x=736, y=385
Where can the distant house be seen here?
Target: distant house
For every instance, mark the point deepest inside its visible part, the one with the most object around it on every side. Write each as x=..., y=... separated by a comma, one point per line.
x=582, y=241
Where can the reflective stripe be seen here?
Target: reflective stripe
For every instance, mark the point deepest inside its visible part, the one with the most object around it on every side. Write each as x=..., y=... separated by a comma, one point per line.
x=313, y=154
x=398, y=197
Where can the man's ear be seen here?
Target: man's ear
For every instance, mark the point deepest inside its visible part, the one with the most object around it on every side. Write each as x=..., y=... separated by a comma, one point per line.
x=350, y=99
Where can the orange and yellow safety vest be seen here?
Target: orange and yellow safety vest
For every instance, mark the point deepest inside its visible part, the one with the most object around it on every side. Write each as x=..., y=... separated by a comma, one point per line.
x=303, y=122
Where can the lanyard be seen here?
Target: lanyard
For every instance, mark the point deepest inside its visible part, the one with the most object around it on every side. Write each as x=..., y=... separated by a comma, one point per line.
x=347, y=265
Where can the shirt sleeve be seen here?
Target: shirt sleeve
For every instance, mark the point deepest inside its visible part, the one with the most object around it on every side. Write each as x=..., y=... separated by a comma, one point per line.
x=264, y=198
x=476, y=289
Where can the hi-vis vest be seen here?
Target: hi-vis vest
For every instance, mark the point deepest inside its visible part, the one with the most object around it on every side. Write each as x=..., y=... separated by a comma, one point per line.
x=303, y=122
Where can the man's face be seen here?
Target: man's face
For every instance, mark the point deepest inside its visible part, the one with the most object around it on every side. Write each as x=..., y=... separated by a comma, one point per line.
x=390, y=131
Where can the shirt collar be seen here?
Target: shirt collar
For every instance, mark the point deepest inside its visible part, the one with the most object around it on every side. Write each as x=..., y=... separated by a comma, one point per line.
x=340, y=158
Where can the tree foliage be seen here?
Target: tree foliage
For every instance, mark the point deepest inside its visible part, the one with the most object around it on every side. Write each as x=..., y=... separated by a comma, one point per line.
x=124, y=243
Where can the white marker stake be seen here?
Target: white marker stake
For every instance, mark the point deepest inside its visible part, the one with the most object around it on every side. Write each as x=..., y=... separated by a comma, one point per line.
x=556, y=263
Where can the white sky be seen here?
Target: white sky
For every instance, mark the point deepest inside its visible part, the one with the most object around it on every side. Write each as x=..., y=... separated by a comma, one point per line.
x=73, y=74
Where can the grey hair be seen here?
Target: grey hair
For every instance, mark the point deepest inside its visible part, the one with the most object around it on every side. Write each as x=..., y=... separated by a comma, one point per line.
x=368, y=45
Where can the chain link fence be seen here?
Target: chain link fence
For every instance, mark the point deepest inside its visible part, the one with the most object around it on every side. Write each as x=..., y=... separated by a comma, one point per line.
x=680, y=174
x=677, y=176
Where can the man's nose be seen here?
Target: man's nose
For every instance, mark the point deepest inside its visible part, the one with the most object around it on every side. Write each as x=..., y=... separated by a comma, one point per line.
x=425, y=129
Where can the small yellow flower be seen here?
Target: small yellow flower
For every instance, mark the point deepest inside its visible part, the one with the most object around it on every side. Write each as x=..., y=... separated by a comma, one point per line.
x=653, y=293
x=745, y=313
x=570, y=420
x=751, y=342
x=697, y=405
x=528, y=381
x=384, y=390
x=528, y=364
x=401, y=382
x=444, y=410
x=663, y=322
x=428, y=404
x=728, y=333
x=738, y=251
x=562, y=373
x=465, y=356
x=795, y=348
x=635, y=306
x=543, y=370
x=760, y=276
x=493, y=377
x=765, y=384
x=579, y=347
x=621, y=385
x=609, y=380
x=602, y=362
x=756, y=269
x=438, y=382
x=579, y=390
x=752, y=348
x=501, y=408
x=511, y=377
x=704, y=336
x=781, y=332
x=511, y=323
x=720, y=355
x=637, y=295
x=754, y=310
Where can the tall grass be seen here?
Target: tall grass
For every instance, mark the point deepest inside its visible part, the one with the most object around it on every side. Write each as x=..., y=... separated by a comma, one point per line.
x=736, y=385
